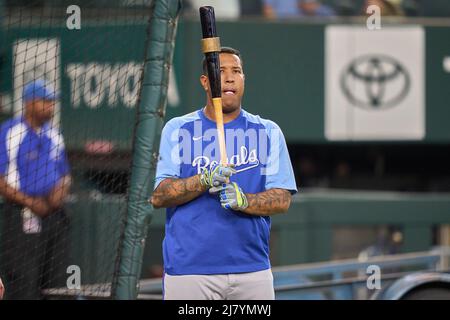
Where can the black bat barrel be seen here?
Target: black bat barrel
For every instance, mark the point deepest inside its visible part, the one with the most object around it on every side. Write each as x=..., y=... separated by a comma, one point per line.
x=208, y=21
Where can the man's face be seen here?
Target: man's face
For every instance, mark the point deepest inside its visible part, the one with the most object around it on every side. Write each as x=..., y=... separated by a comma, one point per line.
x=42, y=109
x=232, y=81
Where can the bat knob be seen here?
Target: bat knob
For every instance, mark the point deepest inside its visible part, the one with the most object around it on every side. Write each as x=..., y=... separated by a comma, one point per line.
x=206, y=10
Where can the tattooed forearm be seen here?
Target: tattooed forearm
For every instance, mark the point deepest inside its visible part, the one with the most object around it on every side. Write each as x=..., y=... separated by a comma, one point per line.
x=268, y=202
x=175, y=192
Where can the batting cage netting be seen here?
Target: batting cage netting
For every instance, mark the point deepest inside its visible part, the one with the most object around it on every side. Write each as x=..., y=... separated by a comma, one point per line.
x=71, y=82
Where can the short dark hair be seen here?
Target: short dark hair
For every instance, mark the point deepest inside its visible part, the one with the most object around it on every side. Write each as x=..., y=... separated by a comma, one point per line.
x=224, y=50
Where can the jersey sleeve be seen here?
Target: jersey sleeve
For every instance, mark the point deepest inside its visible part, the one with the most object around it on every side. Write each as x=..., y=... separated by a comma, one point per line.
x=63, y=163
x=169, y=161
x=3, y=152
x=279, y=172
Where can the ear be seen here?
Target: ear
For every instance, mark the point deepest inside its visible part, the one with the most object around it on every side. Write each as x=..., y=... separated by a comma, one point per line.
x=204, y=82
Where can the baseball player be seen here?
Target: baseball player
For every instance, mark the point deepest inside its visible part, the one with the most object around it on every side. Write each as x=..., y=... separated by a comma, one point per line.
x=218, y=221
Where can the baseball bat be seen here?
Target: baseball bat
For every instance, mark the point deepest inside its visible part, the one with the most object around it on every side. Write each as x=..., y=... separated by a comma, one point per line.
x=211, y=49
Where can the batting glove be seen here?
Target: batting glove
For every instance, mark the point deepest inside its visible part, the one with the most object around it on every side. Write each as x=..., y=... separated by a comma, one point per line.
x=215, y=175
x=232, y=197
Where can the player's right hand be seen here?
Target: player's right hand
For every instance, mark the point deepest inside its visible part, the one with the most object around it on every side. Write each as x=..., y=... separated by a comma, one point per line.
x=40, y=207
x=216, y=174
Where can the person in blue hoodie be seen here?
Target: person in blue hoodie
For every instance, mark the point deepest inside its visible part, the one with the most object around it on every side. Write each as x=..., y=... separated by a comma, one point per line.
x=34, y=182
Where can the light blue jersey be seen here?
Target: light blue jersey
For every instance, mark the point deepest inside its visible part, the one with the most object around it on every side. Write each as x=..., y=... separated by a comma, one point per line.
x=202, y=237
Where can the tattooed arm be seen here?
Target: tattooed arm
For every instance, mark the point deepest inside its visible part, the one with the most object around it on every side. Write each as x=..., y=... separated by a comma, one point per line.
x=173, y=192
x=268, y=202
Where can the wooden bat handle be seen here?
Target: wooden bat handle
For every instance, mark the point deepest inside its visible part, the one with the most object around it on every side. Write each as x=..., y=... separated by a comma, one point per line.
x=220, y=130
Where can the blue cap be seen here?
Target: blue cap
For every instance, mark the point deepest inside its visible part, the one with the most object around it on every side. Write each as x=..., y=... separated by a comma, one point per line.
x=38, y=89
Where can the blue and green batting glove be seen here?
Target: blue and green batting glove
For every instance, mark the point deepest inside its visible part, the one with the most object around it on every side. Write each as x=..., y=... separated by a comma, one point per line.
x=216, y=174
x=232, y=197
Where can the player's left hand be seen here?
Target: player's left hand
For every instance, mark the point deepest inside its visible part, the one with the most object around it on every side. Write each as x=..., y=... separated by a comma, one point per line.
x=232, y=197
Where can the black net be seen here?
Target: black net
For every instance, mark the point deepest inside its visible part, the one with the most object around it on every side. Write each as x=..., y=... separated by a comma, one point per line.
x=69, y=87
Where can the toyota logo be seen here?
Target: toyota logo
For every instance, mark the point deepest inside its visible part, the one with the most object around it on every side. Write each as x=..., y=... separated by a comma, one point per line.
x=375, y=82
